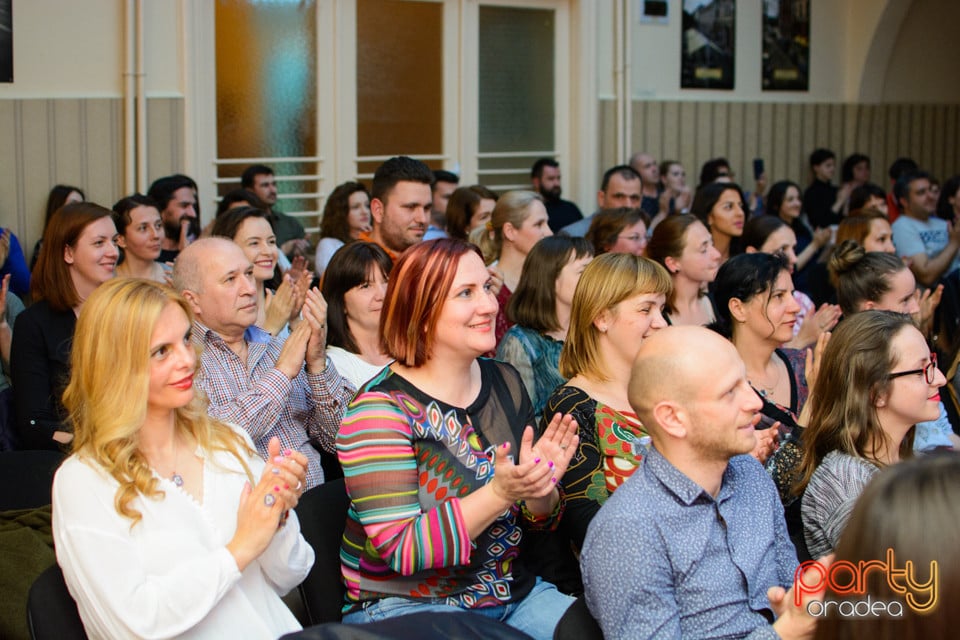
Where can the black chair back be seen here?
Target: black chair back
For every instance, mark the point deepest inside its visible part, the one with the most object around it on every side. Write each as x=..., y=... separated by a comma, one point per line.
x=51, y=612
x=322, y=512
x=27, y=477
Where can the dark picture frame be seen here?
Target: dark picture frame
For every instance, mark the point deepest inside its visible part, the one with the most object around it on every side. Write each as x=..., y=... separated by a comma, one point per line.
x=786, y=45
x=708, y=44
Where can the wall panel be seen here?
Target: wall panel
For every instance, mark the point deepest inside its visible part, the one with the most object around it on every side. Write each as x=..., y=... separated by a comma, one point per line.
x=44, y=142
x=784, y=134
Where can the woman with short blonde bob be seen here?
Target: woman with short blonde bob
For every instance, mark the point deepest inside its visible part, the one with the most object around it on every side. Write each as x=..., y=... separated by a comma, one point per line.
x=617, y=304
x=166, y=522
x=518, y=221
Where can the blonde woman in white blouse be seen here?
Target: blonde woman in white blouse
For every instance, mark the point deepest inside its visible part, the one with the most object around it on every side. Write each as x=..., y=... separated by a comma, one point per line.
x=166, y=522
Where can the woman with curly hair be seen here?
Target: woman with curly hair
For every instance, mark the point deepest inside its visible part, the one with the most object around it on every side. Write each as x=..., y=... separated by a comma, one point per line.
x=166, y=522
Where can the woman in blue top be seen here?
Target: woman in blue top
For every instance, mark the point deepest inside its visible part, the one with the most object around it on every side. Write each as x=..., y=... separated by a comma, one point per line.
x=540, y=309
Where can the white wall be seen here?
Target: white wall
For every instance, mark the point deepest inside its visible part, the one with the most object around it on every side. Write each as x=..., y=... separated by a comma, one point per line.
x=841, y=35
x=923, y=60
x=75, y=49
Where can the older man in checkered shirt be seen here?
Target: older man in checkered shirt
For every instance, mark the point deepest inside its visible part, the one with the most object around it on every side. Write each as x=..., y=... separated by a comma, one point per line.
x=268, y=385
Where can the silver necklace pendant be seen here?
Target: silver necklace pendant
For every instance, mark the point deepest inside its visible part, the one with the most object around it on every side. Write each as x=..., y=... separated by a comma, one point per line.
x=177, y=479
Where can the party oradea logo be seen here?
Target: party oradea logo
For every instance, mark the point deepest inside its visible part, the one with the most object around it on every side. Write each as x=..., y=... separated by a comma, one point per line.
x=849, y=580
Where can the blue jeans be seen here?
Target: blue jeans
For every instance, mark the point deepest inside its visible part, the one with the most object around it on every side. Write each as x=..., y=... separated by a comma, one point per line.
x=536, y=615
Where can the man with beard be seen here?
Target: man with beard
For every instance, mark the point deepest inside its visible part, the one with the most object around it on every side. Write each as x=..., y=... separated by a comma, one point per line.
x=400, y=204
x=694, y=543
x=545, y=177
x=177, y=197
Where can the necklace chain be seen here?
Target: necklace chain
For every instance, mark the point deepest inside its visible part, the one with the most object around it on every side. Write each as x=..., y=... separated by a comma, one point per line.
x=765, y=389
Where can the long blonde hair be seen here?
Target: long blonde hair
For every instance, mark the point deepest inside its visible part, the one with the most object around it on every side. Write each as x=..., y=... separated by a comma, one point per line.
x=512, y=207
x=109, y=387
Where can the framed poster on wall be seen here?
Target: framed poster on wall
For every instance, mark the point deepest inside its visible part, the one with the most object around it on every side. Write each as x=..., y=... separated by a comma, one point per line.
x=708, y=44
x=786, y=45
x=6, y=40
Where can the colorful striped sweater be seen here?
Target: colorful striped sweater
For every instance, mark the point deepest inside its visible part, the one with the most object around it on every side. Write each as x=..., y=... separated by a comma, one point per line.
x=408, y=459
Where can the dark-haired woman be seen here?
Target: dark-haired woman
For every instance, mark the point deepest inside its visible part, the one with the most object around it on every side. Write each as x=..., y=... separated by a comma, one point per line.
x=354, y=286
x=345, y=216
x=683, y=246
x=784, y=201
x=720, y=206
x=80, y=254
x=622, y=230
x=59, y=195
x=770, y=234
x=540, y=309
x=139, y=230
x=757, y=311
x=469, y=208
x=277, y=311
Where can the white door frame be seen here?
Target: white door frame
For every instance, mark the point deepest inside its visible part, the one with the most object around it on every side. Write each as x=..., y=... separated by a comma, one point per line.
x=576, y=130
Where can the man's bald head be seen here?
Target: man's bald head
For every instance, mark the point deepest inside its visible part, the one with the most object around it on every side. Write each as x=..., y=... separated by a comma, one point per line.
x=191, y=262
x=672, y=365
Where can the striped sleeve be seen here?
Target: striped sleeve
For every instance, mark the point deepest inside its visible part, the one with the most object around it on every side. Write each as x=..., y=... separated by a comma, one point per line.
x=375, y=448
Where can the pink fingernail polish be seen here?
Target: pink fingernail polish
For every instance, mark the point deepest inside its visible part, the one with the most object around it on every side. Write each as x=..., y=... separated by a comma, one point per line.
x=553, y=480
x=503, y=446
x=276, y=489
x=279, y=459
x=287, y=452
x=537, y=461
x=550, y=464
x=286, y=486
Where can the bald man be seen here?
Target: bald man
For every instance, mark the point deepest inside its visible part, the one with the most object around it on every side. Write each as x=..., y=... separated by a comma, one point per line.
x=694, y=544
x=268, y=385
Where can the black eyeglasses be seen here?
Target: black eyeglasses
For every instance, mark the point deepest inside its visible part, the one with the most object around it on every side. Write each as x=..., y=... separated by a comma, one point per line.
x=927, y=371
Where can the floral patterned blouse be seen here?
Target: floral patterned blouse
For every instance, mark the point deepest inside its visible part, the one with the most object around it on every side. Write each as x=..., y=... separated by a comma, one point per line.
x=612, y=444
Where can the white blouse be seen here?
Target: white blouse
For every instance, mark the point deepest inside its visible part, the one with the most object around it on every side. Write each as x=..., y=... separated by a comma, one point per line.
x=171, y=574
x=352, y=367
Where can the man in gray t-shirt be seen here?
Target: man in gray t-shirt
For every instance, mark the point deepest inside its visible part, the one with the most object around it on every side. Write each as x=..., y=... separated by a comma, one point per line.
x=931, y=244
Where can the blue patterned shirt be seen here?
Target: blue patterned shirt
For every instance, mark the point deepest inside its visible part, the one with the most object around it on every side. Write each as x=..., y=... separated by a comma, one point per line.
x=664, y=559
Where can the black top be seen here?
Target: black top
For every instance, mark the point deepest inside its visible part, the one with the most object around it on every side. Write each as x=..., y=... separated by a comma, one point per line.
x=40, y=369
x=167, y=255
x=560, y=213
x=818, y=202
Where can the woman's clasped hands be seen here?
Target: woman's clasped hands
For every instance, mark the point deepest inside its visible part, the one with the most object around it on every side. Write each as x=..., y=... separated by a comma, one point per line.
x=540, y=466
x=263, y=507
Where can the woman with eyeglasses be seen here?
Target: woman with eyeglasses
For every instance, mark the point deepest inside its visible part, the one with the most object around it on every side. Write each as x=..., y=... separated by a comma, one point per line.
x=872, y=280
x=622, y=230
x=877, y=380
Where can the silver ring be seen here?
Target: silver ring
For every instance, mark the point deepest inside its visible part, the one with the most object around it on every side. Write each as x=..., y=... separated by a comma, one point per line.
x=299, y=485
x=269, y=500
